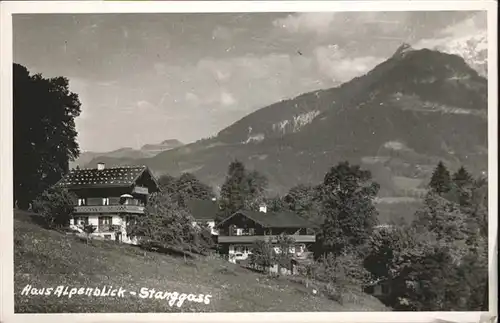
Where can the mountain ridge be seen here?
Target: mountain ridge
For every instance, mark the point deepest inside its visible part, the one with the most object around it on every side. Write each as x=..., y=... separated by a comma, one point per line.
x=398, y=120
x=126, y=153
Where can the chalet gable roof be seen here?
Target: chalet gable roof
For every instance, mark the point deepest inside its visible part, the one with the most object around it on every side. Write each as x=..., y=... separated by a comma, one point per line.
x=123, y=176
x=283, y=219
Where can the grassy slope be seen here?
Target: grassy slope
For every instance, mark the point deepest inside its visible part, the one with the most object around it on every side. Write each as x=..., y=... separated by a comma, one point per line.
x=45, y=258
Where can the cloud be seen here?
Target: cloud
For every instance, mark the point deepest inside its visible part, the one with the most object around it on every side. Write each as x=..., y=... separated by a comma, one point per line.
x=306, y=22
x=471, y=28
x=144, y=106
x=344, y=24
x=337, y=65
x=192, y=98
x=467, y=38
x=227, y=98
x=239, y=85
x=222, y=33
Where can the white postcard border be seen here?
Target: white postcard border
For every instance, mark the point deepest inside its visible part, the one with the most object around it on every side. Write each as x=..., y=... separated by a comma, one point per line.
x=6, y=221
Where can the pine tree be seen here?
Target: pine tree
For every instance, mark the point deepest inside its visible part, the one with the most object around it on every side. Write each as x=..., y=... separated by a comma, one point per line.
x=463, y=187
x=462, y=177
x=440, y=181
x=241, y=190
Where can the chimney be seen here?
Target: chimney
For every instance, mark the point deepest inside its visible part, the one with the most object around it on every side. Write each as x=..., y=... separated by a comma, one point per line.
x=263, y=208
x=101, y=166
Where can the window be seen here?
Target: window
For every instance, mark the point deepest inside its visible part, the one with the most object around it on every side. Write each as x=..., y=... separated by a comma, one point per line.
x=107, y=236
x=82, y=201
x=105, y=201
x=104, y=220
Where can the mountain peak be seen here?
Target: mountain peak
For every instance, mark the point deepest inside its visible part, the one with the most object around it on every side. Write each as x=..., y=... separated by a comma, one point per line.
x=403, y=49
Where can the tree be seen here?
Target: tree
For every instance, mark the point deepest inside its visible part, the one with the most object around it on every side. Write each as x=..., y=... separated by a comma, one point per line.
x=462, y=177
x=56, y=206
x=276, y=204
x=168, y=184
x=479, y=205
x=305, y=201
x=164, y=224
x=241, y=190
x=284, y=244
x=262, y=255
x=419, y=268
x=189, y=187
x=184, y=188
x=44, y=112
x=341, y=272
x=461, y=188
x=436, y=263
x=347, y=194
x=442, y=217
x=440, y=182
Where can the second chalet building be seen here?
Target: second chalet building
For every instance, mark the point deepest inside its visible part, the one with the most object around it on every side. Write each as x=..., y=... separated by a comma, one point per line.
x=239, y=231
x=107, y=197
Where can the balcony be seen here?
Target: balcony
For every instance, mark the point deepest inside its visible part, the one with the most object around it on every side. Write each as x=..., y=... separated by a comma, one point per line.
x=273, y=238
x=107, y=228
x=90, y=209
x=140, y=190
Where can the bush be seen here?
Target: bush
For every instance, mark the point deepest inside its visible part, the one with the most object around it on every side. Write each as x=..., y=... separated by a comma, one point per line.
x=340, y=273
x=167, y=226
x=55, y=205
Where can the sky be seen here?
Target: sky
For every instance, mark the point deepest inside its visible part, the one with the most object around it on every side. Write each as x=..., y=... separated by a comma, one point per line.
x=145, y=78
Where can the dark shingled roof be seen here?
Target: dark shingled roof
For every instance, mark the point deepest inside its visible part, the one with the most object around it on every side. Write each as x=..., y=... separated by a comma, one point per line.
x=109, y=177
x=202, y=209
x=284, y=219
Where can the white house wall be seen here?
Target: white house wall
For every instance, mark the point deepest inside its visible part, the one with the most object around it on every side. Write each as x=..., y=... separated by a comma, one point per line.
x=115, y=220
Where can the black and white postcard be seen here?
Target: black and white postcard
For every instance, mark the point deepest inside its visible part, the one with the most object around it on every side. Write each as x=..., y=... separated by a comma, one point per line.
x=312, y=159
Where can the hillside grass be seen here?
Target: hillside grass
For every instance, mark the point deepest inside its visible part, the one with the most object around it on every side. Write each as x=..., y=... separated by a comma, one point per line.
x=46, y=258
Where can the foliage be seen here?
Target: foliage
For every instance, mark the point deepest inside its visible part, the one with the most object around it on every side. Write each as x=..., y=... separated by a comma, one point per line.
x=44, y=112
x=50, y=258
x=242, y=189
x=168, y=184
x=439, y=262
x=262, y=254
x=415, y=264
x=189, y=187
x=89, y=229
x=185, y=187
x=340, y=273
x=165, y=224
x=305, y=201
x=347, y=194
x=442, y=217
x=276, y=204
x=204, y=236
x=55, y=205
x=284, y=244
x=440, y=181
x=462, y=177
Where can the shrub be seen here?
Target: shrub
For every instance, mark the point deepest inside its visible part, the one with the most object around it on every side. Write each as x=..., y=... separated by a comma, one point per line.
x=340, y=273
x=55, y=205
